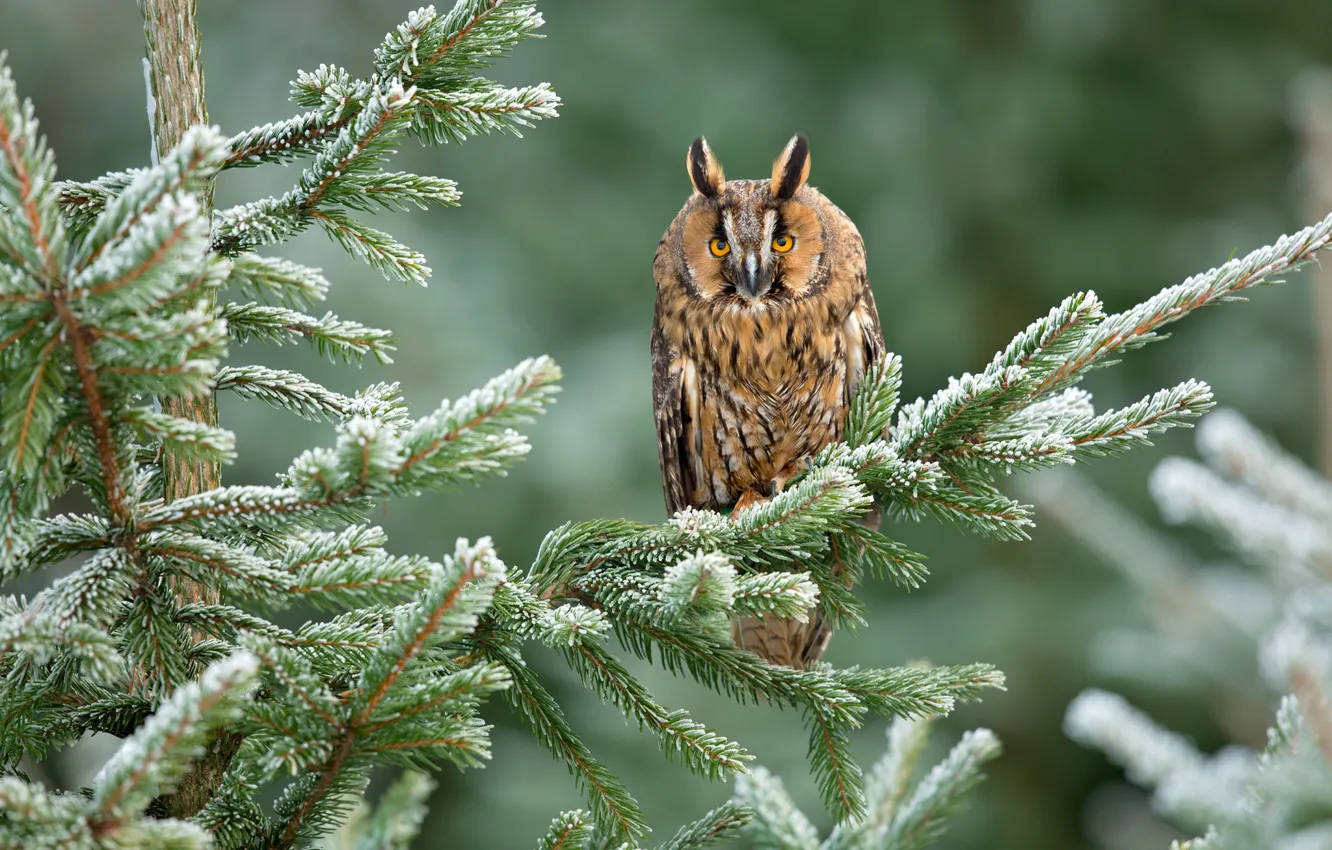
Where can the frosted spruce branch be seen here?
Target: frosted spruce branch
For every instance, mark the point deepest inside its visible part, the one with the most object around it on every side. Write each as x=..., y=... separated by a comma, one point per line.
x=1269, y=509
x=898, y=815
x=1023, y=411
x=422, y=86
x=146, y=763
x=110, y=296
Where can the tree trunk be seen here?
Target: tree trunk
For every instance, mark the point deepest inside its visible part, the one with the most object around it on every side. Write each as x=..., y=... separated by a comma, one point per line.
x=176, y=76
x=1313, y=118
x=177, y=86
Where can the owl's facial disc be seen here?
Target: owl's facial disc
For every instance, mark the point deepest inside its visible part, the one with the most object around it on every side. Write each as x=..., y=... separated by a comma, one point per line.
x=746, y=251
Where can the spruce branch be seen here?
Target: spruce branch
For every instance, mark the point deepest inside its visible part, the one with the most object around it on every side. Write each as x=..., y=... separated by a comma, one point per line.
x=32, y=235
x=240, y=572
x=297, y=678
x=285, y=390
x=184, y=170
x=920, y=819
x=1106, y=720
x=568, y=831
x=48, y=541
x=700, y=586
x=925, y=430
x=1021, y=412
x=281, y=141
x=376, y=578
x=1233, y=446
x=614, y=810
x=1137, y=326
x=875, y=402
x=359, y=149
x=436, y=54
x=703, y=751
x=451, y=116
x=1271, y=509
x=376, y=720
x=431, y=50
x=381, y=251
x=1117, y=430
x=331, y=336
x=82, y=203
x=154, y=643
x=38, y=636
x=122, y=307
x=91, y=593
x=889, y=781
x=448, y=610
x=787, y=595
x=398, y=817
x=473, y=435
x=1289, y=542
x=184, y=435
x=835, y=772
x=883, y=557
x=461, y=441
x=311, y=550
x=777, y=823
x=1046, y=343
x=400, y=190
x=721, y=823
x=163, y=747
x=268, y=277
x=332, y=89
x=898, y=816
x=31, y=408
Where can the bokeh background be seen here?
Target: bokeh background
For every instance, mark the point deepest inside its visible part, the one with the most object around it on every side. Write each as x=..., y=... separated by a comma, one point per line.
x=996, y=156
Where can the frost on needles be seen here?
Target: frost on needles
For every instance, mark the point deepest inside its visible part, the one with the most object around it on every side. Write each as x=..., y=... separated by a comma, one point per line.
x=1210, y=622
x=120, y=290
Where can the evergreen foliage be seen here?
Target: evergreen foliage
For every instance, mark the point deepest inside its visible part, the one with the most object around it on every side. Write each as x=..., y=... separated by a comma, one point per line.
x=1271, y=511
x=897, y=815
x=122, y=290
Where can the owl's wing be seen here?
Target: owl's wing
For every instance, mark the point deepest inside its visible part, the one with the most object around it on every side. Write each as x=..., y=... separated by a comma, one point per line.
x=865, y=318
x=675, y=404
x=863, y=323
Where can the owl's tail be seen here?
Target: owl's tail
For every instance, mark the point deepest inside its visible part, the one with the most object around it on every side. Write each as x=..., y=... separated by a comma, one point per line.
x=791, y=643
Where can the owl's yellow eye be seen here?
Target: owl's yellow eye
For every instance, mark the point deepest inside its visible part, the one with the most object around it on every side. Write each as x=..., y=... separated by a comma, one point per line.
x=719, y=247
x=783, y=243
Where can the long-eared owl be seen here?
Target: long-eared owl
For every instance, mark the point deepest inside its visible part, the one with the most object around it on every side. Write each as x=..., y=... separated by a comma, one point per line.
x=764, y=325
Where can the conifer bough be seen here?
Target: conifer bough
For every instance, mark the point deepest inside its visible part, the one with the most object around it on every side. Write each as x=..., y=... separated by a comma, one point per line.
x=1271, y=512
x=125, y=289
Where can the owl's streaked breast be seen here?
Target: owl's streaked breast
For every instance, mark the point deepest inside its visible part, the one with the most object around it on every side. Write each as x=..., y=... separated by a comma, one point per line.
x=769, y=389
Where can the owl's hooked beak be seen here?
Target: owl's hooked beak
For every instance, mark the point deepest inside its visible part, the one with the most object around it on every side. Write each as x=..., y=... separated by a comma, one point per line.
x=755, y=279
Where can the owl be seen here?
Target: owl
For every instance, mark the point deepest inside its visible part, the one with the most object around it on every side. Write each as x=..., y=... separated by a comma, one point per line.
x=764, y=325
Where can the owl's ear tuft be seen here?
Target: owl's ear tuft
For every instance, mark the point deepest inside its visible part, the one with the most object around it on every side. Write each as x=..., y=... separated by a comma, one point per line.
x=705, y=172
x=791, y=169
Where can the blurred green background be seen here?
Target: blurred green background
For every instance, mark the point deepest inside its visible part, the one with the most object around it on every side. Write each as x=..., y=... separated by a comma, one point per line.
x=996, y=156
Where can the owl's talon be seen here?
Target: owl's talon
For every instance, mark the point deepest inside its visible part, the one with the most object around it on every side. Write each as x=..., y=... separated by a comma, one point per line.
x=796, y=467
x=748, y=499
